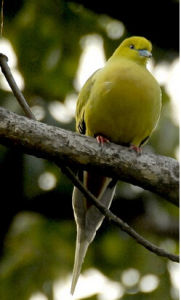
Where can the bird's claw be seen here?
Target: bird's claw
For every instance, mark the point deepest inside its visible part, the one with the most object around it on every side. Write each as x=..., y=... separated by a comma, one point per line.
x=101, y=139
x=137, y=149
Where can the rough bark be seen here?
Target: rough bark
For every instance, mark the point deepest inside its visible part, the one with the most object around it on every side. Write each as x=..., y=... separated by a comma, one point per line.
x=155, y=173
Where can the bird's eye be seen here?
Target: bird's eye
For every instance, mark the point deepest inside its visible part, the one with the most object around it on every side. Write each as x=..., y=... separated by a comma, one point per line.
x=131, y=46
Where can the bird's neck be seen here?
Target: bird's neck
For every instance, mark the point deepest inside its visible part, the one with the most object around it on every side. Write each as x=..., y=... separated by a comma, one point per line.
x=122, y=54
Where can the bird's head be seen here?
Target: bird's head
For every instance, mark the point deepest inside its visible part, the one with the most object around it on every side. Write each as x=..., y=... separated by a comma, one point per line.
x=135, y=48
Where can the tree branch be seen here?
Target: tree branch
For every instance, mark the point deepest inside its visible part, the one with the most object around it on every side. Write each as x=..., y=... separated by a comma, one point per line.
x=120, y=223
x=158, y=174
x=19, y=96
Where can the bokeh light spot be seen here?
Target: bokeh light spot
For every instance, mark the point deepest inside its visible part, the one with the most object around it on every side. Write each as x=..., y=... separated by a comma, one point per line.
x=60, y=112
x=38, y=296
x=149, y=283
x=38, y=111
x=92, y=58
x=130, y=277
x=115, y=29
x=47, y=181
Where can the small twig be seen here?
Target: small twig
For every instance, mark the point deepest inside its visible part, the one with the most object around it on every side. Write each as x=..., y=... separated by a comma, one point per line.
x=17, y=93
x=120, y=223
x=106, y=212
x=2, y=17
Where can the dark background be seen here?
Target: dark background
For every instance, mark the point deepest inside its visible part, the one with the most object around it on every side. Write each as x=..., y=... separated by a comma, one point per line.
x=35, y=28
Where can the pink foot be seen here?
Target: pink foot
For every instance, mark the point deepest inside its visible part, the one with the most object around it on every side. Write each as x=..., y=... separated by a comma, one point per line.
x=137, y=149
x=101, y=140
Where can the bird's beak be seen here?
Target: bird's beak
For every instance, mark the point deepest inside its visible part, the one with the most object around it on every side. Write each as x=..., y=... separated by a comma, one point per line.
x=145, y=53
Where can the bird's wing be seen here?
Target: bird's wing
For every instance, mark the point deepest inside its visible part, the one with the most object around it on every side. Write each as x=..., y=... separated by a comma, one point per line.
x=81, y=103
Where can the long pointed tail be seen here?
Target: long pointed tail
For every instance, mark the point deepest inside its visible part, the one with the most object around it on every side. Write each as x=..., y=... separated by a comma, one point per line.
x=88, y=218
x=80, y=252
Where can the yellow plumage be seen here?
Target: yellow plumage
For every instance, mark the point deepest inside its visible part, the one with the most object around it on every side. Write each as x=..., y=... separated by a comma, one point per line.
x=121, y=103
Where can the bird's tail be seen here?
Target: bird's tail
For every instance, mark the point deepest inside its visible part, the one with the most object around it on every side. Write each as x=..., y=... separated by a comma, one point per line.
x=80, y=252
x=88, y=217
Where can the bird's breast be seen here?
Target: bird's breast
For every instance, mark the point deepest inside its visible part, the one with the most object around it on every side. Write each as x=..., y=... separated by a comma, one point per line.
x=124, y=104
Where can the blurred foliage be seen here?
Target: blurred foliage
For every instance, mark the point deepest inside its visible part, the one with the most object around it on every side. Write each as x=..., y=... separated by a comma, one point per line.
x=47, y=44
x=38, y=250
x=37, y=229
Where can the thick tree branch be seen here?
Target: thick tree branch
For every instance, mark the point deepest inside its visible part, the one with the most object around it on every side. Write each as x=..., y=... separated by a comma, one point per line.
x=158, y=174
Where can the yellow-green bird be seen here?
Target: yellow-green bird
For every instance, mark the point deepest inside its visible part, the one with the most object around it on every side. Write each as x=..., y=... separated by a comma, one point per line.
x=120, y=103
